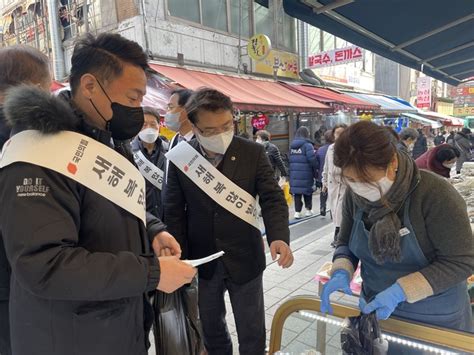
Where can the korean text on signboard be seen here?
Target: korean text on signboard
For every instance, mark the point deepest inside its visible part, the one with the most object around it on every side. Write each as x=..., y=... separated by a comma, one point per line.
x=336, y=57
x=423, y=92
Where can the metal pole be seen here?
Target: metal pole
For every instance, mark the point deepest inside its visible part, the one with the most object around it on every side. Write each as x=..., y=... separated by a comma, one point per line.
x=239, y=62
x=59, y=69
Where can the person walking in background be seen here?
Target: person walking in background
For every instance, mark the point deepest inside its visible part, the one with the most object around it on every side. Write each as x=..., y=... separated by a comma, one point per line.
x=439, y=139
x=463, y=143
x=320, y=160
x=439, y=160
x=303, y=170
x=450, y=138
x=407, y=140
x=333, y=183
x=273, y=154
x=421, y=144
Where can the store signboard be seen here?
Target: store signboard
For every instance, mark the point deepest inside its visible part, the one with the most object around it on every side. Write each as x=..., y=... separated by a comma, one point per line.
x=282, y=64
x=335, y=57
x=423, y=90
x=463, y=99
x=259, y=47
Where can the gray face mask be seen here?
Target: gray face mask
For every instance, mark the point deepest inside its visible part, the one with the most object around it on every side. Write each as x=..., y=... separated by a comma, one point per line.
x=172, y=120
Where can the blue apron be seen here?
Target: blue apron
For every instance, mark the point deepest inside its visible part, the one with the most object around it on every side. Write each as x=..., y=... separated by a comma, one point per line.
x=449, y=309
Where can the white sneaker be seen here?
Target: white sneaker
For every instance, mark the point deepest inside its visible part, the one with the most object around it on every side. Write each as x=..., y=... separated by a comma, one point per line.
x=308, y=213
x=298, y=215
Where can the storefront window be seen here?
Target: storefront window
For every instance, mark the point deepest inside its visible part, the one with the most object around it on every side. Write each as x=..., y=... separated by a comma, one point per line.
x=185, y=9
x=329, y=41
x=286, y=31
x=263, y=20
x=235, y=15
x=314, y=40
x=214, y=14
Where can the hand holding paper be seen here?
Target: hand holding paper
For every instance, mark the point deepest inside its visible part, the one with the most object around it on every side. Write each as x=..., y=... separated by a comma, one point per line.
x=197, y=262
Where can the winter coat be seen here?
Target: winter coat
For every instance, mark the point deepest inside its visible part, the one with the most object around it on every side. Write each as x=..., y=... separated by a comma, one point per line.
x=332, y=179
x=274, y=155
x=81, y=265
x=428, y=161
x=420, y=147
x=321, y=159
x=438, y=140
x=462, y=142
x=303, y=167
x=154, y=204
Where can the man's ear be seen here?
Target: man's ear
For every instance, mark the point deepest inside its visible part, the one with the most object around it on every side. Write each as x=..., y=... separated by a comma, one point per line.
x=88, y=85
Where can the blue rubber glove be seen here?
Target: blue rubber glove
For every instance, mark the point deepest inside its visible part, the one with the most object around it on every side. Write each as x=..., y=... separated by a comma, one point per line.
x=385, y=302
x=340, y=280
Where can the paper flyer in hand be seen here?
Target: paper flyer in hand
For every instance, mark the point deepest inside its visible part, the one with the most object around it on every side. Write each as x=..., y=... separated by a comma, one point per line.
x=197, y=262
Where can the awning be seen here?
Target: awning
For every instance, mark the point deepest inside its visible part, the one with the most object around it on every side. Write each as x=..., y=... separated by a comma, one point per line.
x=445, y=119
x=329, y=96
x=386, y=104
x=432, y=36
x=247, y=94
x=431, y=123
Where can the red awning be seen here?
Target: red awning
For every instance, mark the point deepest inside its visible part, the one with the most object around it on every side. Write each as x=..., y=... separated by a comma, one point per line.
x=329, y=96
x=247, y=94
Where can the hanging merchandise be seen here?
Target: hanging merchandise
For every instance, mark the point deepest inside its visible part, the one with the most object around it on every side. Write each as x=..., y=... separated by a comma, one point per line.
x=259, y=122
x=361, y=336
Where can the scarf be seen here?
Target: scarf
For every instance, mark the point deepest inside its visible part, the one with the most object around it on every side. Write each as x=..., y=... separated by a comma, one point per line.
x=384, y=235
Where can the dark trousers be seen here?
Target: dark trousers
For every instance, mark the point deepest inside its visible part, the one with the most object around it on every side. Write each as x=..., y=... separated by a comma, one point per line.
x=323, y=197
x=248, y=308
x=4, y=329
x=308, y=202
x=336, y=233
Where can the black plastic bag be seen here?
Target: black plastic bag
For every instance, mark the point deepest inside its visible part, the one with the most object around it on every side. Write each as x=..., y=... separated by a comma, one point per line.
x=177, y=325
x=361, y=336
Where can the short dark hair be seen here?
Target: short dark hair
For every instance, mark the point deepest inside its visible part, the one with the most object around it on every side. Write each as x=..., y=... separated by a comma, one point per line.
x=409, y=133
x=265, y=135
x=147, y=110
x=183, y=96
x=22, y=64
x=328, y=137
x=104, y=56
x=466, y=130
x=447, y=152
x=302, y=132
x=206, y=99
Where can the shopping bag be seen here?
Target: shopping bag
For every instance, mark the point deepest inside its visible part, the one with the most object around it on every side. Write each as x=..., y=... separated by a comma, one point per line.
x=177, y=324
x=285, y=186
x=361, y=336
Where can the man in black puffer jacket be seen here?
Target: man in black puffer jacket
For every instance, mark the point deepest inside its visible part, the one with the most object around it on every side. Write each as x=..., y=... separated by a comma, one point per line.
x=273, y=154
x=81, y=264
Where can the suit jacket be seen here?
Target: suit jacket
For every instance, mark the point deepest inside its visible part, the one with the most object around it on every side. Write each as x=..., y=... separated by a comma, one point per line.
x=203, y=227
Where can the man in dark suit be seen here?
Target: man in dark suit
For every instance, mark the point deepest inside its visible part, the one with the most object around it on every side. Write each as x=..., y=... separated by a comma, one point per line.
x=203, y=227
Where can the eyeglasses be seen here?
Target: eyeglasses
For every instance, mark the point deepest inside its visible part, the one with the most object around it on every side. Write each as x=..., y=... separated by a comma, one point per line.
x=209, y=132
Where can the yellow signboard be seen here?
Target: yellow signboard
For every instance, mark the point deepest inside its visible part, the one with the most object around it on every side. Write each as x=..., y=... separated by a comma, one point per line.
x=283, y=63
x=259, y=47
x=464, y=111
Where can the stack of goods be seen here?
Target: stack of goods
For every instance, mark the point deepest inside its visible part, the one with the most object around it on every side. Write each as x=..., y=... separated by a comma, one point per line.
x=464, y=183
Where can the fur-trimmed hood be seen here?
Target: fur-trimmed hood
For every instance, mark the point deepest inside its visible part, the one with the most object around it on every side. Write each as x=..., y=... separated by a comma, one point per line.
x=28, y=107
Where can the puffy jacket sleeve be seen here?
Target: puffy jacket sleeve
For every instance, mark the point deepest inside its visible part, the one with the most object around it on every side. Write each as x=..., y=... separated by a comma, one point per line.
x=41, y=234
x=275, y=152
x=272, y=201
x=311, y=158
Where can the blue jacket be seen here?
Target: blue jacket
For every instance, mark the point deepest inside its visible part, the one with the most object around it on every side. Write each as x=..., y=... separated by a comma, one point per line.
x=320, y=159
x=303, y=166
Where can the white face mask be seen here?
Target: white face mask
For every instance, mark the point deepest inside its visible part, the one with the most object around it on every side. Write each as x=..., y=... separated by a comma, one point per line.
x=172, y=120
x=148, y=135
x=371, y=192
x=450, y=165
x=218, y=143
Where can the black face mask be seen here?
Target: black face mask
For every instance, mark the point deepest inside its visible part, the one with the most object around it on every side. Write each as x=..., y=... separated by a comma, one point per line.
x=126, y=121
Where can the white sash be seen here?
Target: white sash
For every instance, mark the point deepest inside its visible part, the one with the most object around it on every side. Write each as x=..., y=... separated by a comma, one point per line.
x=215, y=184
x=149, y=170
x=84, y=160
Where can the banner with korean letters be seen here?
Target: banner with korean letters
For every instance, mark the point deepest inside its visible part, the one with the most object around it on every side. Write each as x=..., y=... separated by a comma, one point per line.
x=149, y=170
x=84, y=160
x=215, y=184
